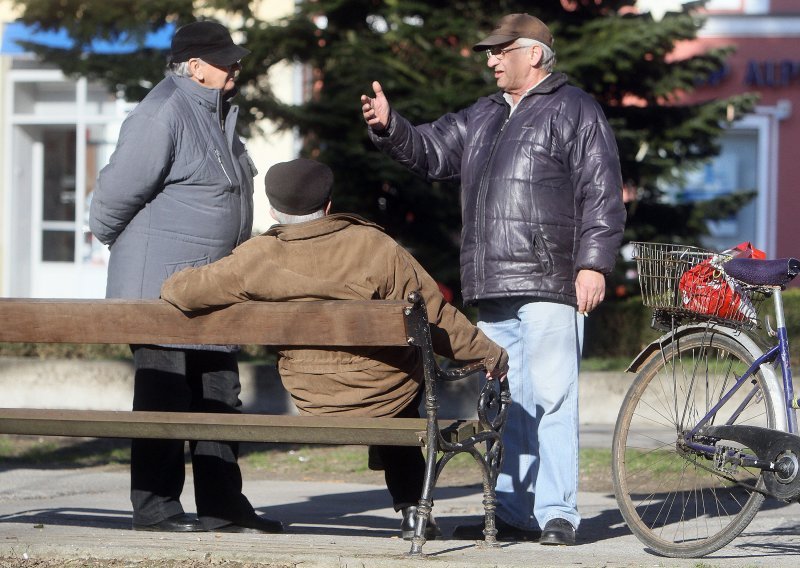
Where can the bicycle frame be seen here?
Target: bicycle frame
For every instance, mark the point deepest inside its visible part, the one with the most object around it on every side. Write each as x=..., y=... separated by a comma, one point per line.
x=696, y=451
x=779, y=351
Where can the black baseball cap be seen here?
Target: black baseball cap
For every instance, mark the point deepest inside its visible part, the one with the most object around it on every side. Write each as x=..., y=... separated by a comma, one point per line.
x=206, y=40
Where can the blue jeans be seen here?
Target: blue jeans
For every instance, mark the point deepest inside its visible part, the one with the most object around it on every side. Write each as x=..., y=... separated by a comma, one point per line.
x=538, y=481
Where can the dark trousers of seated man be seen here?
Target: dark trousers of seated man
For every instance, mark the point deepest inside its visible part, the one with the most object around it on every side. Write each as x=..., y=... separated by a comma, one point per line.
x=186, y=380
x=403, y=466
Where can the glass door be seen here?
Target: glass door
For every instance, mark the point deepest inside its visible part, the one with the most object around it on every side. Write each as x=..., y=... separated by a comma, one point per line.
x=58, y=195
x=69, y=261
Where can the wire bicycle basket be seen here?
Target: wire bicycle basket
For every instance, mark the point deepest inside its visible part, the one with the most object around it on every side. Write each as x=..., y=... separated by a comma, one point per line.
x=689, y=284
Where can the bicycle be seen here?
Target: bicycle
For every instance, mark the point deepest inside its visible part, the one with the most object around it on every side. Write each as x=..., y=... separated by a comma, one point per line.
x=708, y=429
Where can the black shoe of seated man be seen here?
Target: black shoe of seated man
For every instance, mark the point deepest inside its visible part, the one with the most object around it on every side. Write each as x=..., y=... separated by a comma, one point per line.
x=176, y=523
x=409, y=523
x=505, y=532
x=254, y=524
x=558, y=532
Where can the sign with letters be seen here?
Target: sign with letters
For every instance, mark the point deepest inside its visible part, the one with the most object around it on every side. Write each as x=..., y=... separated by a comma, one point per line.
x=772, y=73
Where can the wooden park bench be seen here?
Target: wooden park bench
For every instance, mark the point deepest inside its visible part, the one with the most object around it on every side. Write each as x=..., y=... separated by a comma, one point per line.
x=342, y=323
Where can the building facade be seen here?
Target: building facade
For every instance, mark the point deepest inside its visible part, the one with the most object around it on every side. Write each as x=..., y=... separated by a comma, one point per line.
x=758, y=150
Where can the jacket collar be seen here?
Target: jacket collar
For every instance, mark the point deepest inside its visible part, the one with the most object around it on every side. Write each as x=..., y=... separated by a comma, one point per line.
x=213, y=100
x=553, y=82
x=318, y=227
x=209, y=98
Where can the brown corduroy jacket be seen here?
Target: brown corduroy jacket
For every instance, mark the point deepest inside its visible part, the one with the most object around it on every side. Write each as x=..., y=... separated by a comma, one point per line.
x=338, y=257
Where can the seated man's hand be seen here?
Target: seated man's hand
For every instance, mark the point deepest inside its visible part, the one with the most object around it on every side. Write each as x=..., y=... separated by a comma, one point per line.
x=490, y=375
x=500, y=370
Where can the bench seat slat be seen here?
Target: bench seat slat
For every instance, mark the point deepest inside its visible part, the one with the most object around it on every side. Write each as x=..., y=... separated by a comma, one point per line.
x=314, y=323
x=227, y=427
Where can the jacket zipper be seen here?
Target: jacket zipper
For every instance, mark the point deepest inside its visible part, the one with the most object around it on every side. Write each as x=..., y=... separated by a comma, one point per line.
x=483, y=189
x=224, y=171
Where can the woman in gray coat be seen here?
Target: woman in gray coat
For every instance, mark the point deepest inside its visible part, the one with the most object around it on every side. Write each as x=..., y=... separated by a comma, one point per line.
x=178, y=192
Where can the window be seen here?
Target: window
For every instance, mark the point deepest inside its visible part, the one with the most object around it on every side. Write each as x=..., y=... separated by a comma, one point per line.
x=736, y=170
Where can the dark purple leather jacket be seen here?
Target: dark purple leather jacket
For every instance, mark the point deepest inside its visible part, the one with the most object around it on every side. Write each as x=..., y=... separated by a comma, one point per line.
x=541, y=190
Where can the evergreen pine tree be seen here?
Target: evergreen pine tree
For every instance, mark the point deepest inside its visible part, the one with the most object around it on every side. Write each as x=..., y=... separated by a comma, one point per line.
x=421, y=53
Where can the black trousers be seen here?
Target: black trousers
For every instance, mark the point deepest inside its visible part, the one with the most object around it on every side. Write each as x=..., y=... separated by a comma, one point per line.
x=404, y=466
x=186, y=380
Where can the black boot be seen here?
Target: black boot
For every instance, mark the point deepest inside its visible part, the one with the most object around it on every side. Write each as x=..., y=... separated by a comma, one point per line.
x=409, y=523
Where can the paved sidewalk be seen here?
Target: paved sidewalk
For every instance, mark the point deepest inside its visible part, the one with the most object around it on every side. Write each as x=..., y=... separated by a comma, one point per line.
x=86, y=513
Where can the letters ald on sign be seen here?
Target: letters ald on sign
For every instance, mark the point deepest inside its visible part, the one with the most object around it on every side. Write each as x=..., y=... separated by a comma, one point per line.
x=760, y=74
x=772, y=73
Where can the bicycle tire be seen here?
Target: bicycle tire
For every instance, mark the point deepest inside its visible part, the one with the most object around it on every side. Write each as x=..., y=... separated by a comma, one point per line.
x=671, y=500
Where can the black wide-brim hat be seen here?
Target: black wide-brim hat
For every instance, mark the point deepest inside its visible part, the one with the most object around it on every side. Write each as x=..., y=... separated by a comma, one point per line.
x=206, y=40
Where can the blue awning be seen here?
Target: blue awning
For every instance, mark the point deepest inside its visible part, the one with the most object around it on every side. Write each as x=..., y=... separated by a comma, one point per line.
x=14, y=32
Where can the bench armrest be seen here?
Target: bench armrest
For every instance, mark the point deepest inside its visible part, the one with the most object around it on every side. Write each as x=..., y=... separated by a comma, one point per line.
x=458, y=373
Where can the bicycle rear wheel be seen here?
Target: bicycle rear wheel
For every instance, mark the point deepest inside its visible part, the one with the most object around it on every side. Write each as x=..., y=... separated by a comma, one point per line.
x=673, y=499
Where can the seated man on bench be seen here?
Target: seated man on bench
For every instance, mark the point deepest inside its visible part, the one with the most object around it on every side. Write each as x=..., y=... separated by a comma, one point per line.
x=314, y=255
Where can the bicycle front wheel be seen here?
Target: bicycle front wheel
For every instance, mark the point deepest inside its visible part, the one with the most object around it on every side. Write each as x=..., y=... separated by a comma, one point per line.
x=674, y=499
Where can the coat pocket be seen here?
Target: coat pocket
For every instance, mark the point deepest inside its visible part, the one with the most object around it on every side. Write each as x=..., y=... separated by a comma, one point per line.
x=541, y=253
x=216, y=156
x=171, y=268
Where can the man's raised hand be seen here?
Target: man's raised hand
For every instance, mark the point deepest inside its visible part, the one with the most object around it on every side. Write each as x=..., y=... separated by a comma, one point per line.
x=376, y=109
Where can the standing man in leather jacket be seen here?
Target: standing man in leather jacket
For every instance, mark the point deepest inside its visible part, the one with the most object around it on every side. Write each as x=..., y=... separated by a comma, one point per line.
x=542, y=212
x=178, y=192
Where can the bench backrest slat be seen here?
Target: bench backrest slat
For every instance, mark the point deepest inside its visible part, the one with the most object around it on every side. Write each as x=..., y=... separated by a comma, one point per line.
x=313, y=323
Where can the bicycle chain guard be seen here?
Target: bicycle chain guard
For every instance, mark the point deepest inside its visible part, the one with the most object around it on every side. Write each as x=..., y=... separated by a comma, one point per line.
x=780, y=452
x=784, y=483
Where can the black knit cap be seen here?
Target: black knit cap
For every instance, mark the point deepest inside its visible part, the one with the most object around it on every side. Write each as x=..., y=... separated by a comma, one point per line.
x=299, y=187
x=206, y=40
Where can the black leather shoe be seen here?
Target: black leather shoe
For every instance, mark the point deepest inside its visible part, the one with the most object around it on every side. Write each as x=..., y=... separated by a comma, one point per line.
x=253, y=524
x=176, y=523
x=505, y=532
x=558, y=532
x=409, y=523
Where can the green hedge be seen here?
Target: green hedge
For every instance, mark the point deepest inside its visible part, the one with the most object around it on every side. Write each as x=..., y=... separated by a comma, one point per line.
x=618, y=329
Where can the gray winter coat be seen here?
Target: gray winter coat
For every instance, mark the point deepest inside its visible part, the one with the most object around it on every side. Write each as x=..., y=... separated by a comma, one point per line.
x=177, y=192
x=541, y=191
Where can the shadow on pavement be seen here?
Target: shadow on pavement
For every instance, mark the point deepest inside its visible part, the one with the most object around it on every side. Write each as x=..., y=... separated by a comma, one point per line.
x=342, y=514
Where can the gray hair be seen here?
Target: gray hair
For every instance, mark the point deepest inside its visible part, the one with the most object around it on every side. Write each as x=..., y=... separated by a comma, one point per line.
x=548, y=55
x=286, y=219
x=181, y=69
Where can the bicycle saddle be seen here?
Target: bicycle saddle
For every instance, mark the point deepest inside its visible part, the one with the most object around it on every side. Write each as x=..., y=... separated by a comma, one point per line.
x=778, y=272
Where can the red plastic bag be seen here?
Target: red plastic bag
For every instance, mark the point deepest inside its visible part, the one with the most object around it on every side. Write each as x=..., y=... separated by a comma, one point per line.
x=704, y=288
x=746, y=250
